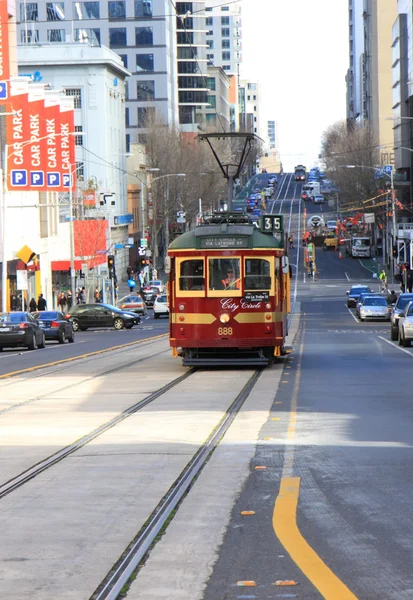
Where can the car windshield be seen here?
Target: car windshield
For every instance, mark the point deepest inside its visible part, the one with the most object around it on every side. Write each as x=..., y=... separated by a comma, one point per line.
x=161, y=299
x=12, y=318
x=404, y=301
x=375, y=302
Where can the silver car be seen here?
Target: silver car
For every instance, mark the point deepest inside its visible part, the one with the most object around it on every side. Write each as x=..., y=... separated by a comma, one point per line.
x=397, y=310
x=375, y=307
x=406, y=326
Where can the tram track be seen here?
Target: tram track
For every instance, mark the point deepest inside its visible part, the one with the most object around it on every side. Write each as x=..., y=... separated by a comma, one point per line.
x=41, y=466
x=111, y=587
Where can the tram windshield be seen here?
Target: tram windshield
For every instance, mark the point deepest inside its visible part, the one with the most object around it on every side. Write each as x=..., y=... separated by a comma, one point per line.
x=224, y=274
x=257, y=274
x=192, y=275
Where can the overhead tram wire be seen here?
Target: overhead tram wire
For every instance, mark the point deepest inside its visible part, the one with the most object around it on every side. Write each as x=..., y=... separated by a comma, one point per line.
x=113, y=19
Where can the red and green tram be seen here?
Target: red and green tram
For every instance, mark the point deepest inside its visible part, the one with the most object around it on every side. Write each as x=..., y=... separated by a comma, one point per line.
x=229, y=292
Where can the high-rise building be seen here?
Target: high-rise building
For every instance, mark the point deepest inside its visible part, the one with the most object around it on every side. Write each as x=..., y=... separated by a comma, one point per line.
x=224, y=40
x=250, y=98
x=271, y=132
x=224, y=33
x=142, y=32
x=192, y=64
x=370, y=76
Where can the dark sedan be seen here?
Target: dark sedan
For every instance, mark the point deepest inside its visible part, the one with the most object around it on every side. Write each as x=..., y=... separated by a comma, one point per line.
x=55, y=326
x=20, y=329
x=83, y=316
x=355, y=292
x=149, y=294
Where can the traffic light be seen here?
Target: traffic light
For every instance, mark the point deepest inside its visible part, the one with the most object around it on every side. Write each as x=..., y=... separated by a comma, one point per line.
x=111, y=265
x=394, y=250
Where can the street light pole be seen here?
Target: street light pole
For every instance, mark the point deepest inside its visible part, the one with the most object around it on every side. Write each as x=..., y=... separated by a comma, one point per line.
x=72, y=238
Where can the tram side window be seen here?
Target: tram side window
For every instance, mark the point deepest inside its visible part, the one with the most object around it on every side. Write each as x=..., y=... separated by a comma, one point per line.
x=192, y=276
x=224, y=274
x=257, y=274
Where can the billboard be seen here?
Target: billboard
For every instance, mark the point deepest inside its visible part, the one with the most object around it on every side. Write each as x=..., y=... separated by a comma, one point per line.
x=67, y=141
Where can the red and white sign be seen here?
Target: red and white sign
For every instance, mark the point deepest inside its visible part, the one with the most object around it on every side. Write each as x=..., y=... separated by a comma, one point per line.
x=67, y=141
x=17, y=133
x=53, y=147
x=4, y=51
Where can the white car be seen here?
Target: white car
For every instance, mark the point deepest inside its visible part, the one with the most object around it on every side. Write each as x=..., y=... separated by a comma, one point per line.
x=331, y=225
x=318, y=199
x=158, y=284
x=160, y=307
x=406, y=326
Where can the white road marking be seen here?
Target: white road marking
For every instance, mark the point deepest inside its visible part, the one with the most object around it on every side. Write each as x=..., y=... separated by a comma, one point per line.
x=22, y=350
x=348, y=278
x=356, y=320
x=396, y=346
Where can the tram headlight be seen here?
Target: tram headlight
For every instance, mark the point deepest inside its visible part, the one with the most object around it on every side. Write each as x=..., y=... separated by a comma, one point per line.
x=181, y=307
x=224, y=318
x=268, y=306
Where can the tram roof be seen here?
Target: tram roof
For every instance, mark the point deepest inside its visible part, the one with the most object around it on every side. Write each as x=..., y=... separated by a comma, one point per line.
x=252, y=236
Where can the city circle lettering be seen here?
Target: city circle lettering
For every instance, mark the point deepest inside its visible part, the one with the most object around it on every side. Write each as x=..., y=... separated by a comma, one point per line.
x=232, y=305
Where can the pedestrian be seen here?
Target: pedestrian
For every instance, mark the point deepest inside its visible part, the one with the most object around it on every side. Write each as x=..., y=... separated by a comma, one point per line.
x=41, y=303
x=291, y=241
x=383, y=280
x=392, y=298
x=61, y=301
x=129, y=272
x=33, y=305
x=131, y=284
x=82, y=296
x=97, y=295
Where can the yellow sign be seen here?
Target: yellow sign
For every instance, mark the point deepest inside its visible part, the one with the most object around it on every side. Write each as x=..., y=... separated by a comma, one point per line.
x=26, y=254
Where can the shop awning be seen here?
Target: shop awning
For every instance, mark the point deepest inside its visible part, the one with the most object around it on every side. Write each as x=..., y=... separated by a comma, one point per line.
x=64, y=265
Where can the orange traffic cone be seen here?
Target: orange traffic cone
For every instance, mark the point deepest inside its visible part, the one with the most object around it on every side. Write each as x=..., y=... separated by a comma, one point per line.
x=339, y=254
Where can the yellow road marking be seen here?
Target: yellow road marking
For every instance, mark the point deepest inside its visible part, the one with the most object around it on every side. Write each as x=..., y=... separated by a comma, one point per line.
x=284, y=518
x=285, y=526
x=73, y=358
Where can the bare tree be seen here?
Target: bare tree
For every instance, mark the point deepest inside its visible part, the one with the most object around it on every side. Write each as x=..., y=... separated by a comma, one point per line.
x=353, y=146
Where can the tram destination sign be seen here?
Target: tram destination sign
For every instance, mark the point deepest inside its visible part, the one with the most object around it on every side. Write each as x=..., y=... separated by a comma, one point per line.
x=224, y=242
x=256, y=296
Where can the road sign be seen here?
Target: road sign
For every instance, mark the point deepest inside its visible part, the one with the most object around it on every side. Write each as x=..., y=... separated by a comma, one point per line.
x=21, y=283
x=128, y=246
x=118, y=246
x=144, y=243
x=388, y=169
x=180, y=216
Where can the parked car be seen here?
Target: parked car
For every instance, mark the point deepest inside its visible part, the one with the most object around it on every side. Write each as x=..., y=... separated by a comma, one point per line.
x=397, y=310
x=83, y=316
x=361, y=300
x=55, y=326
x=405, y=335
x=354, y=293
x=20, y=329
x=133, y=303
x=319, y=199
x=160, y=307
x=374, y=307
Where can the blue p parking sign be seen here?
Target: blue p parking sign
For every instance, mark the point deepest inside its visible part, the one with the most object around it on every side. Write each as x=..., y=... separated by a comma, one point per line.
x=18, y=177
x=3, y=90
x=53, y=179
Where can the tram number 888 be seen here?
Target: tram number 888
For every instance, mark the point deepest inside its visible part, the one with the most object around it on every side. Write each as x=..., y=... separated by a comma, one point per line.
x=224, y=330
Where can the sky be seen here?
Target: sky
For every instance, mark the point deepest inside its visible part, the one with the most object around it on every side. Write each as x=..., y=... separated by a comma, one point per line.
x=298, y=51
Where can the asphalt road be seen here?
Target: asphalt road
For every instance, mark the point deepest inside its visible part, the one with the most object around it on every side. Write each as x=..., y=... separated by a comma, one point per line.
x=339, y=442
x=92, y=340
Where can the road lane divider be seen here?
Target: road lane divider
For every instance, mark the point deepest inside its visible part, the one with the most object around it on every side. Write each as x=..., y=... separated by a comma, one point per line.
x=284, y=519
x=81, y=356
x=394, y=345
